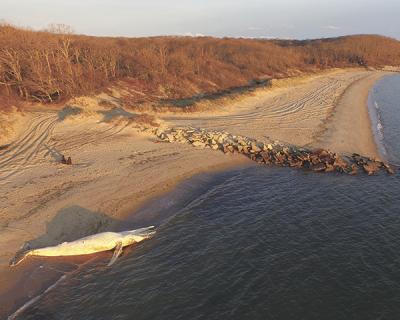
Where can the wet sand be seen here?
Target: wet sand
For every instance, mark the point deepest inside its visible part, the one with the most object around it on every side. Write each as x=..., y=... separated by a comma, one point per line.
x=349, y=129
x=116, y=169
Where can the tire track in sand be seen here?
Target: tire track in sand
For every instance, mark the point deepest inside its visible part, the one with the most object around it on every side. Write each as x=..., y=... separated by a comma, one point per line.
x=295, y=114
x=25, y=152
x=35, y=144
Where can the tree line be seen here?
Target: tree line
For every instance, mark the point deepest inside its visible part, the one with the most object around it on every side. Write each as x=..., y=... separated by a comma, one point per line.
x=53, y=65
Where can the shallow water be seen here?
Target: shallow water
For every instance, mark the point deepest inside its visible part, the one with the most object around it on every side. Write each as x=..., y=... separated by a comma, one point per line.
x=385, y=98
x=259, y=243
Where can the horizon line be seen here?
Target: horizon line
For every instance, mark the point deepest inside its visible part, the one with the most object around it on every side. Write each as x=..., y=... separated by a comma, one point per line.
x=4, y=22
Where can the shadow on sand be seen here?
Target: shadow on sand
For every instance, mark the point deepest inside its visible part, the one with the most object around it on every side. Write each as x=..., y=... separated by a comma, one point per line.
x=68, y=111
x=117, y=112
x=73, y=223
x=107, y=114
x=54, y=153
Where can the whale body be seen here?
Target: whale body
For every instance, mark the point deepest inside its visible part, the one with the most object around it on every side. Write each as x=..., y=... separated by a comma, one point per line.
x=104, y=241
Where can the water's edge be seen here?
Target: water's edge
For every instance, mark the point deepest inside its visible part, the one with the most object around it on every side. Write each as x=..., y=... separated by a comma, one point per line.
x=157, y=211
x=376, y=121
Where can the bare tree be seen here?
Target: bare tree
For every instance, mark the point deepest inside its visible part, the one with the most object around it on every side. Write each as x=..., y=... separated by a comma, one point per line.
x=65, y=32
x=56, y=64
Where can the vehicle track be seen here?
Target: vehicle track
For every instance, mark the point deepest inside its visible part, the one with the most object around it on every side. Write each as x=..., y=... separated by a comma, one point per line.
x=33, y=147
x=294, y=111
x=25, y=152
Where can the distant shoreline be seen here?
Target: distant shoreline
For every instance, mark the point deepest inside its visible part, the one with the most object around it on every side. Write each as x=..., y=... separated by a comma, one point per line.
x=114, y=176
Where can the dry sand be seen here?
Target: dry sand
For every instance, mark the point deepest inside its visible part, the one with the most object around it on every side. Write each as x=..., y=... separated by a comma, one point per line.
x=299, y=111
x=116, y=169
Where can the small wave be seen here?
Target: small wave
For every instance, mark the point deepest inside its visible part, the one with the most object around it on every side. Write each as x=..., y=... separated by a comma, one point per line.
x=381, y=135
x=375, y=114
x=380, y=130
x=379, y=126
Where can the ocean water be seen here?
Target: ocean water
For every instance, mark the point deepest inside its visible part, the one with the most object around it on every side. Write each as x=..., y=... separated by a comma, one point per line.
x=385, y=99
x=259, y=243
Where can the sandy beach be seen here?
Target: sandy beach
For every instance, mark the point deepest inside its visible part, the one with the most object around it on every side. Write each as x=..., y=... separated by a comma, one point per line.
x=117, y=169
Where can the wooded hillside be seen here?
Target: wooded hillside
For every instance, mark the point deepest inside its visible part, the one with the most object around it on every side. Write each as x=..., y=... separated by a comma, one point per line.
x=54, y=65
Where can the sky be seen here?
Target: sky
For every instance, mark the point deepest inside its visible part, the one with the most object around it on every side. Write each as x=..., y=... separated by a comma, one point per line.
x=289, y=19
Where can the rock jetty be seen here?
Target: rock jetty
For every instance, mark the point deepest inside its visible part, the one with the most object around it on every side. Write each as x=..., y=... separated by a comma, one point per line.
x=273, y=153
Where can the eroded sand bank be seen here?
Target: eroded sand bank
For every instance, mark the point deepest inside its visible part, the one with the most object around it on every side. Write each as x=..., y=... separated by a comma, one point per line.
x=115, y=169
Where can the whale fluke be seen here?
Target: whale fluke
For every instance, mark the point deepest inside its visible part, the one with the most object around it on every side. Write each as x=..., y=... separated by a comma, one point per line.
x=18, y=259
x=21, y=254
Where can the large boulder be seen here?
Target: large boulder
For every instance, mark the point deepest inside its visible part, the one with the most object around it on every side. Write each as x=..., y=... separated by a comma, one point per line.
x=371, y=167
x=214, y=147
x=388, y=168
x=170, y=137
x=319, y=167
x=198, y=144
x=255, y=148
x=353, y=170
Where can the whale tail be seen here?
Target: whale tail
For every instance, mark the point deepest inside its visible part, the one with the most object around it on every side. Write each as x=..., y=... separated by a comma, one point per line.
x=17, y=259
x=21, y=255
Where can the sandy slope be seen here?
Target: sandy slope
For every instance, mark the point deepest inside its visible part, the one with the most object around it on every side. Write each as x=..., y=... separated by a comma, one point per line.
x=12, y=123
x=116, y=168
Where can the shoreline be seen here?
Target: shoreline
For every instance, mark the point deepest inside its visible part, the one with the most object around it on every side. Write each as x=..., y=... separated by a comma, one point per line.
x=351, y=119
x=11, y=279
x=376, y=120
x=120, y=209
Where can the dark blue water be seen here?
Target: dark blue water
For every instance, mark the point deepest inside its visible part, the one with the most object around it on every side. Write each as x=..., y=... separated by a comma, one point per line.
x=260, y=243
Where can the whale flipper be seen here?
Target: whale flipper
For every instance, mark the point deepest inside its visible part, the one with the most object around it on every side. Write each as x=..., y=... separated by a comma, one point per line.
x=117, y=253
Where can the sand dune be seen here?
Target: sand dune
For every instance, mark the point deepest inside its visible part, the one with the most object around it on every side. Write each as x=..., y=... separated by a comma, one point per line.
x=115, y=168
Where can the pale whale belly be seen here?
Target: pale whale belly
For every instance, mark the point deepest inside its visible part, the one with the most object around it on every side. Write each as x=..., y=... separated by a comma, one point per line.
x=95, y=243
x=92, y=244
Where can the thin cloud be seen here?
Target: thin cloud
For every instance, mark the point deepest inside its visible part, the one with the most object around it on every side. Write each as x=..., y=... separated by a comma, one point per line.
x=331, y=27
x=254, y=28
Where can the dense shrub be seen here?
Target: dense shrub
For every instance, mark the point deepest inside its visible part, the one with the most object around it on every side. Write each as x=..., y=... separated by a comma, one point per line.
x=49, y=66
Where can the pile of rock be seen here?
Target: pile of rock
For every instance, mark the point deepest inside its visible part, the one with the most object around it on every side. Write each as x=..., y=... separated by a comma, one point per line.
x=275, y=153
x=369, y=165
